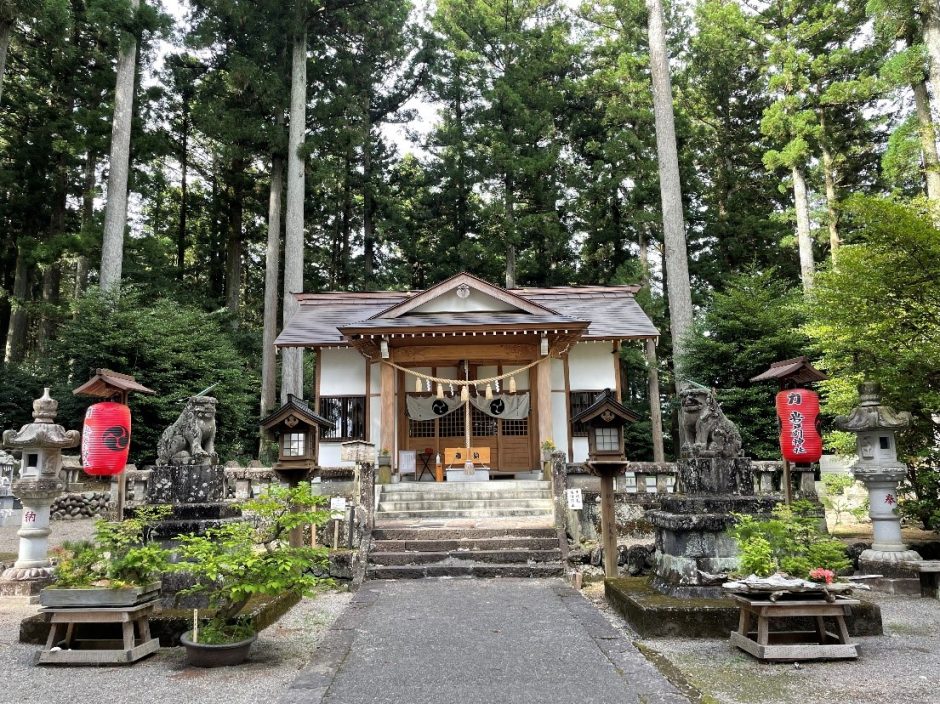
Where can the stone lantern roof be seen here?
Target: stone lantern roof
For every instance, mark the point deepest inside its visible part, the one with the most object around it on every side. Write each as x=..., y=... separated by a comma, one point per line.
x=870, y=414
x=42, y=433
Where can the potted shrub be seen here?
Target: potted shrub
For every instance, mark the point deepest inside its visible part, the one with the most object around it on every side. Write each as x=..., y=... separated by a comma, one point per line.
x=238, y=561
x=119, y=567
x=789, y=542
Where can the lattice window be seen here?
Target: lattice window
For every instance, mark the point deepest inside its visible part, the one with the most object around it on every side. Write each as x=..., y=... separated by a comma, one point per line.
x=348, y=414
x=516, y=427
x=420, y=428
x=482, y=425
x=451, y=425
x=579, y=401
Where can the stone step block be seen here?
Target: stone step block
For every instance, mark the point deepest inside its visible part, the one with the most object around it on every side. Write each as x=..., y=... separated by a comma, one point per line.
x=492, y=556
x=465, y=495
x=429, y=533
x=460, y=504
x=493, y=485
x=465, y=544
x=469, y=569
x=465, y=513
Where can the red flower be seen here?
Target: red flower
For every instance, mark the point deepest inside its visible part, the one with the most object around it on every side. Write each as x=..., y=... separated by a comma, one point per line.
x=820, y=574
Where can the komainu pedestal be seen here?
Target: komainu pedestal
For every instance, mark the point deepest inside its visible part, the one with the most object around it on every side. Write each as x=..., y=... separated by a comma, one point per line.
x=694, y=553
x=196, y=494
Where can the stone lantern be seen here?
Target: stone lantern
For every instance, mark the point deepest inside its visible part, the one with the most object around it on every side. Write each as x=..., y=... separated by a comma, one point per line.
x=605, y=420
x=41, y=443
x=878, y=468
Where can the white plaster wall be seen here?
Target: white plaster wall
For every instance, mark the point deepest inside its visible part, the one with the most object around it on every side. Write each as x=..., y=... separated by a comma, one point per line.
x=558, y=375
x=375, y=421
x=375, y=379
x=579, y=447
x=343, y=373
x=522, y=380
x=450, y=303
x=591, y=366
x=328, y=455
x=560, y=421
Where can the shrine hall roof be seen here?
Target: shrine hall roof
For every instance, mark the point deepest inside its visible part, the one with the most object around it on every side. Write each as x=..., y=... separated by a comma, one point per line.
x=611, y=312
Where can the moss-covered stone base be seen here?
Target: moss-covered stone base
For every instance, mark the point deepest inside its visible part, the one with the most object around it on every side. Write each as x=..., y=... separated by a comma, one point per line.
x=655, y=615
x=167, y=625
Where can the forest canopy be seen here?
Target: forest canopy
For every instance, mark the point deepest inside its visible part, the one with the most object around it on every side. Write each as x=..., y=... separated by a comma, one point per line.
x=328, y=144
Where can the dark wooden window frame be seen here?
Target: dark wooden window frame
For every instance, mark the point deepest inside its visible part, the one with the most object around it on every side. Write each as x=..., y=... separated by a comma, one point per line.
x=344, y=419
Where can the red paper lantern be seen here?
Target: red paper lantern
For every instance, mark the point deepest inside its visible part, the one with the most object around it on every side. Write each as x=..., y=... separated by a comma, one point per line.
x=106, y=438
x=798, y=410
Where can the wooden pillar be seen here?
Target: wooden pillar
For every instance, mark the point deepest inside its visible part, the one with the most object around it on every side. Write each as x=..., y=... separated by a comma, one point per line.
x=608, y=526
x=544, y=384
x=656, y=413
x=387, y=433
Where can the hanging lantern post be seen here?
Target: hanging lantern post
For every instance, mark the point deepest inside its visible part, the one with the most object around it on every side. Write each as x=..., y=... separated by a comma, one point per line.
x=107, y=433
x=791, y=374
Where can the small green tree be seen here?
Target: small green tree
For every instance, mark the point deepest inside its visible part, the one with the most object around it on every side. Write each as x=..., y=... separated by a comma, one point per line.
x=790, y=541
x=238, y=561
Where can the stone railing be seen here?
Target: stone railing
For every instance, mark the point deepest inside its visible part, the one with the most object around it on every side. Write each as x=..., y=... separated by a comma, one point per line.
x=639, y=478
x=243, y=482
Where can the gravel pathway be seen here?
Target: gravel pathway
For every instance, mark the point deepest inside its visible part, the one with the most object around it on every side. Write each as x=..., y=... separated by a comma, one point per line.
x=277, y=656
x=61, y=532
x=901, y=667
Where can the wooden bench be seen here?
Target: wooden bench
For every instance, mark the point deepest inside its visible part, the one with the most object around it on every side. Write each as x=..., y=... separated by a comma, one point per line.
x=63, y=647
x=929, y=572
x=480, y=456
x=794, y=645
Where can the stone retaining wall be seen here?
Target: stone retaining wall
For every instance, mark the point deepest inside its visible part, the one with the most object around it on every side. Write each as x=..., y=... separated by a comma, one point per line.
x=72, y=507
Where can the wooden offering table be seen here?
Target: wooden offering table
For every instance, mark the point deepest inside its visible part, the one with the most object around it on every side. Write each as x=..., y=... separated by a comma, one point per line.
x=820, y=644
x=63, y=647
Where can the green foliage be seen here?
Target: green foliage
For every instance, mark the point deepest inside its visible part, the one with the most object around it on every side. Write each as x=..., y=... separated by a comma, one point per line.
x=175, y=349
x=755, y=321
x=921, y=500
x=238, y=561
x=875, y=316
x=120, y=555
x=790, y=541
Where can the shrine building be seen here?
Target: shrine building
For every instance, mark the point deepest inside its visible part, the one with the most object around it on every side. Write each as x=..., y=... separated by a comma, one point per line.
x=465, y=363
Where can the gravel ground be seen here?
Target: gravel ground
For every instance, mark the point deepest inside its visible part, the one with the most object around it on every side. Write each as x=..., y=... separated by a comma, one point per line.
x=277, y=656
x=901, y=667
x=61, y=531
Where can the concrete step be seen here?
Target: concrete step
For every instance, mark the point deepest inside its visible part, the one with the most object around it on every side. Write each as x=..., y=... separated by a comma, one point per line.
x=464, y=513
x=465, y=544
x=492, y=556
x=436, y=534
x=468, y=504
x=465, y=495
x=465, y=569
x=495, y=485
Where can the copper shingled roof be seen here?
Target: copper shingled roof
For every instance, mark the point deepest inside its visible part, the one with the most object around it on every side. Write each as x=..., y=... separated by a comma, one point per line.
x=612, y=312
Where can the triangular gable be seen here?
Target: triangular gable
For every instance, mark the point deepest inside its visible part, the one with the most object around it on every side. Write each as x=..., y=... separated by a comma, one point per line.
x=508, y=299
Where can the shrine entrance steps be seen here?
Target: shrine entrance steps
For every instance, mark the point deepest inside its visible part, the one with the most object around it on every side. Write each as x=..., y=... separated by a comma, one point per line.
x=414, y=501
x=474, y=529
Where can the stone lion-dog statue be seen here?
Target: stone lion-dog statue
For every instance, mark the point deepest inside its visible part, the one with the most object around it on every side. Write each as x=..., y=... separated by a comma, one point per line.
x=703, y=428
x=191, y=439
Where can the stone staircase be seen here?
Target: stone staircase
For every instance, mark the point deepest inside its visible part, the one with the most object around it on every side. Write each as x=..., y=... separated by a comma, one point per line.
x=487, y=529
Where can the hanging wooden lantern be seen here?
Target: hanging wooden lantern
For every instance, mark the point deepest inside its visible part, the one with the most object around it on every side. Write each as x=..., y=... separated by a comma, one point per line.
x=798, y=410
x=106, y=438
